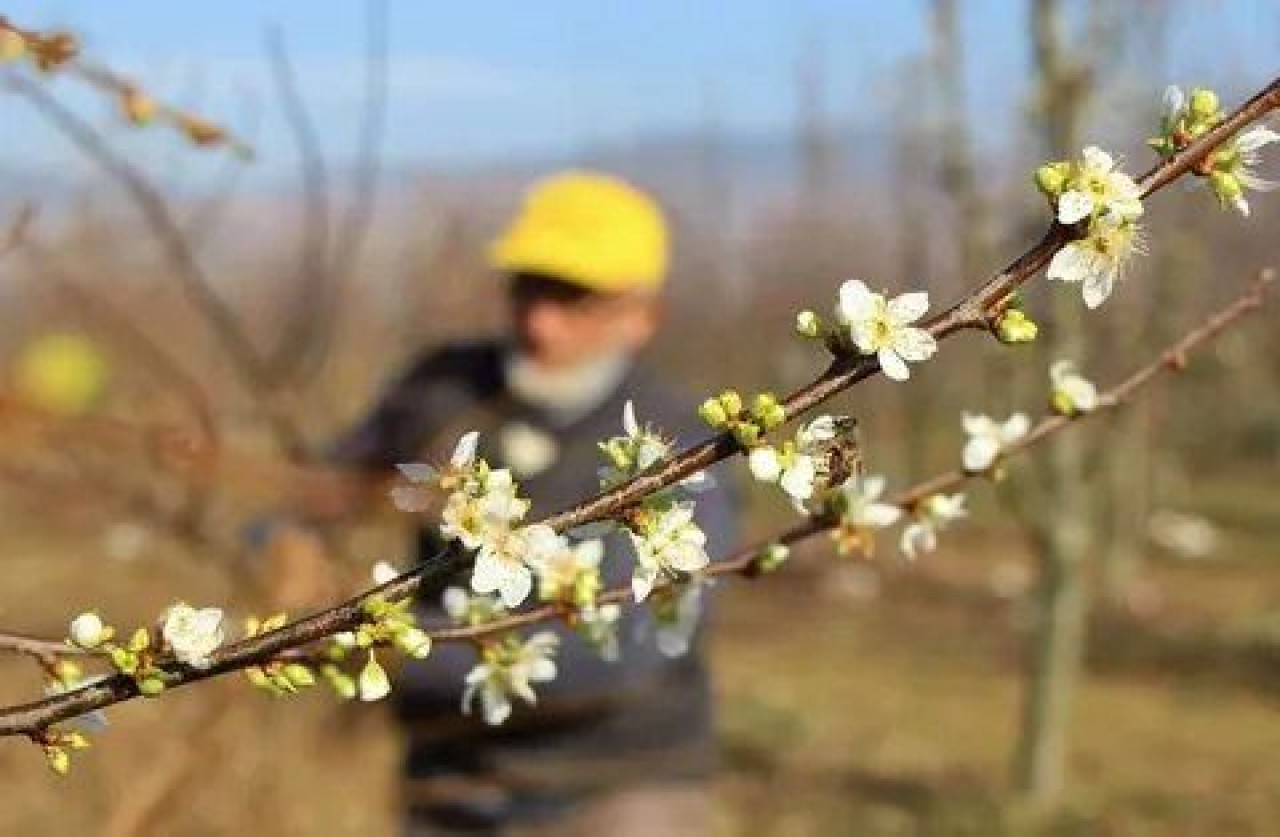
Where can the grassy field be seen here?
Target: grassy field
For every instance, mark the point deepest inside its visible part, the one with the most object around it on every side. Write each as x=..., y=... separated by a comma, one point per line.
x=855, y=699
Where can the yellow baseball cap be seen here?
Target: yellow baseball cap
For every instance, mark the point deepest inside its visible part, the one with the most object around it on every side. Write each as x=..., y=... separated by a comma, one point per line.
x=590, y=229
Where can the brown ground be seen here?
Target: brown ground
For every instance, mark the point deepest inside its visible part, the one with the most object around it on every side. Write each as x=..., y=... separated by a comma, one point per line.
x=855, y=700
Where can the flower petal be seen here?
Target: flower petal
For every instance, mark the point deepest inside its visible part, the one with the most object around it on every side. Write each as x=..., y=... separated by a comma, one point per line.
x=980, y=453
x=893, y=365
x=465, y=452
x=1097, y=287
x=915, y=344
x=1074, y=206
x=909, y=307
x=856, y=301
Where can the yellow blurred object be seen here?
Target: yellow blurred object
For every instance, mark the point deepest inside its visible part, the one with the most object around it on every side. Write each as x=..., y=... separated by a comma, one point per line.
x=61, y=373
x=590, y=229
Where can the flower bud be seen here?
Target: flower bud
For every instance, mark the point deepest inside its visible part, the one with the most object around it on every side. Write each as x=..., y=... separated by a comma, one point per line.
x=1051, y=178
x=415, y=642
x=259, y=679
x=747, y=434
x=341, y=683
x=1014, y=326
x=1203, y=104
x=299, y=675
x=732, y=402
x=808, y=324
x=374, y=683
x=59, y=760
x=151, y=686
x=772, y=557
x=140, y=641
x=138, y=107
x=88, y=631
x=13, y=46
x=713, y=413
x=1226, y=186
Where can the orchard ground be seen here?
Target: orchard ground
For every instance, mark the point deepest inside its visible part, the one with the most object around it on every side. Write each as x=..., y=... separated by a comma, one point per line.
x=855, y=698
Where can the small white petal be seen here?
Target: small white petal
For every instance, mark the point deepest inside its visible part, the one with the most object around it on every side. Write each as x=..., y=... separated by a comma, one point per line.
x=1074, y=206
x=465, y=452
x=1255, y=138
x=797, y=481
x=1097, y=288
x=1097, y=159
x=629, y=423
x=915, y=344
x=765, y=464
x=856, y=301
x=1015, y=428
x=1174, y=99
x=980, y=453
x=1070, y=264
x=893, y=365
x=909, y=307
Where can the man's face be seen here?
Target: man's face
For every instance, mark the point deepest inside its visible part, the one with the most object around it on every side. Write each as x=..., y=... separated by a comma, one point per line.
x=560, y=325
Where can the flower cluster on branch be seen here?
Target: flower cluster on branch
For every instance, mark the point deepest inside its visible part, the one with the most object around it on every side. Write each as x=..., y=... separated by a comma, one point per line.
x=648, y=489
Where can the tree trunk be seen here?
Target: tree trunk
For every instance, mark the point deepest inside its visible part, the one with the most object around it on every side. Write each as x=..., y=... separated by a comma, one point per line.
x=1062, y=529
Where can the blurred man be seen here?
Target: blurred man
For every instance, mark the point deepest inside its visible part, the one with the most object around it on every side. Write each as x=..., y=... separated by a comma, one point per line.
x=621, y=747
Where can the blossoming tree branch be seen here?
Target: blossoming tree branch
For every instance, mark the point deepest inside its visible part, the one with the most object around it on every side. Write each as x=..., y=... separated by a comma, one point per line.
x=523, y=573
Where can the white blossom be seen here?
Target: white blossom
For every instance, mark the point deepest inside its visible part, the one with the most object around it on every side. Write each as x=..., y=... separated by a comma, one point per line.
x=638, y=449
x=668, y=543
x=1099, y=259
x=505, y=557
x=88, y=630
x=677, y=620
x=570, y=570
x=884, y=328
x=1070, y=391
x=989, y=438
x=794, y=471
x=1248, y=145
x=192, y=635
x=491, y=506
x=507, y=672
x=861, y=513
x=933, y=514
x=1098, y=188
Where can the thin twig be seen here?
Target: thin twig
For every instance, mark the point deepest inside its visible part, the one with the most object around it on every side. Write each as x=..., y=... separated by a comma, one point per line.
x=33, y=717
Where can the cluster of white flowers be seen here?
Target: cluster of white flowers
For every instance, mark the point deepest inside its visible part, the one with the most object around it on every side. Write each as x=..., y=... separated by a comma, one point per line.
x=483, y=512
x=664, y=535
x=508, y=669
x=1093, y=191
x=1231, y=168
x=668, y=544
x=989, y=439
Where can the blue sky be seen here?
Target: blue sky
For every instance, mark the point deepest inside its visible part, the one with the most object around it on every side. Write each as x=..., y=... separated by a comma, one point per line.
x=489, y=79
